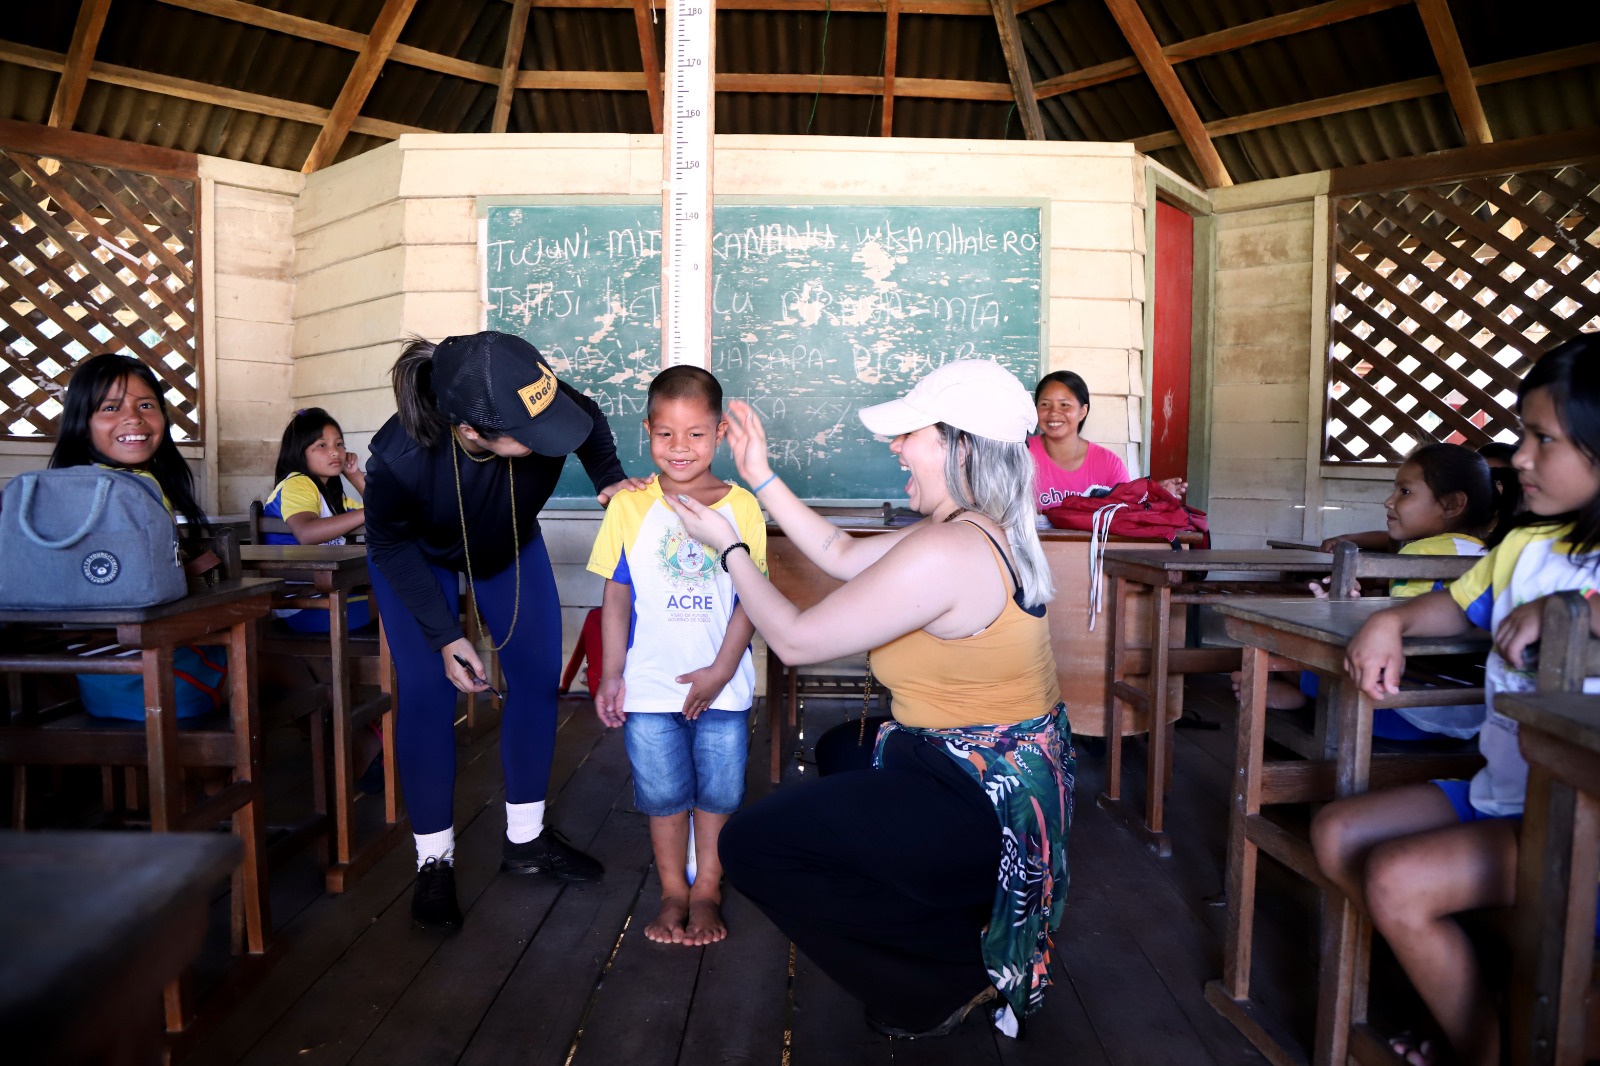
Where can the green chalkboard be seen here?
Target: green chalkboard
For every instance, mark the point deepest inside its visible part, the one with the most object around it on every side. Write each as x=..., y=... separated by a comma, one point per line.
x=817, y=310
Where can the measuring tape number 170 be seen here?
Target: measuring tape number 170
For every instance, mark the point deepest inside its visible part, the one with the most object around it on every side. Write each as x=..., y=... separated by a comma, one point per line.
x=686, y=190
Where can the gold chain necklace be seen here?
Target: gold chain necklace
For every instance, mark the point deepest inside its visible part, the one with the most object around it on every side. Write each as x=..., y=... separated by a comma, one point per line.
x=516, y=542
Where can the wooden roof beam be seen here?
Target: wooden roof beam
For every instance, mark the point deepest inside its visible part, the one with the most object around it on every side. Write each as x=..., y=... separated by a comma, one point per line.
x=80, y=57
x=369, y=64
x=1146, y=49
x=1005, y=19
x=516, y=33
x=1453, y=66
x=891, y=51
x=649, y=59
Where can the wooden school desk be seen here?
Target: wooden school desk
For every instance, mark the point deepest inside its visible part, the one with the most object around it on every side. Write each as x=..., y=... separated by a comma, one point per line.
x=229, y=610
x=334, y=573
x=1166, y=580
x=94, y=925
x=1311, y=633
x=1080, y=652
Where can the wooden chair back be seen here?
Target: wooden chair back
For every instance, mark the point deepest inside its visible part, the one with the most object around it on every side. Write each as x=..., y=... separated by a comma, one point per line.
x=1567, y=651
x=262, y=523
x=1351, y=566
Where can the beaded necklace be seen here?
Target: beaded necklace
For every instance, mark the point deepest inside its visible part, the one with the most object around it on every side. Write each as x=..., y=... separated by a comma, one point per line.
x=466, y=550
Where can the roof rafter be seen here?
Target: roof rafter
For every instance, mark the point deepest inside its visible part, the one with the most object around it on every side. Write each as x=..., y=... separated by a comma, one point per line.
x=1453, y=66
x=650, y=59
x=516, y=33
x=891, y=51
x=1142, y=39
x=369, y=64
x=1005, y=19
x=80, y=57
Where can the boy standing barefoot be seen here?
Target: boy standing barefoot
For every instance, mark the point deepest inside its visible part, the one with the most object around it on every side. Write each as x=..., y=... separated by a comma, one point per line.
x=676, y=671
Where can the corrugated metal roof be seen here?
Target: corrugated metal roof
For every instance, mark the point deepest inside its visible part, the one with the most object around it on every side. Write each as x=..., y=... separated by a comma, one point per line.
x=1361, y=54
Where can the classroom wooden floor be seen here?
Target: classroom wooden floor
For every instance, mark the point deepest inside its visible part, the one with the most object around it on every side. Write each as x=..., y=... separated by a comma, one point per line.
x=543, y=973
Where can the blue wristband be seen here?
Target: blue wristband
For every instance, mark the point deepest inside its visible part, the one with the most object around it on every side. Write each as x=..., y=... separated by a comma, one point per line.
x=770, y=479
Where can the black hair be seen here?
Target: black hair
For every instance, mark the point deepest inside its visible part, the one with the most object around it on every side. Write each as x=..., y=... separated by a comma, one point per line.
x=1497, y=452
x=684, y=382
x=1451, y=468
x=1075, y=384
x=304, y=430
x=92, y=381
x=1571, y=373
x=416, y=404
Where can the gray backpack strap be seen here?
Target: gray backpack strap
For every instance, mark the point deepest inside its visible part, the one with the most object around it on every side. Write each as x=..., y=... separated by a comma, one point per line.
x=102, y=489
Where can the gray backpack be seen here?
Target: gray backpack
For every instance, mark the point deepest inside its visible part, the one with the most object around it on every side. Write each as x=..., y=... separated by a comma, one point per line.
x=86, y=537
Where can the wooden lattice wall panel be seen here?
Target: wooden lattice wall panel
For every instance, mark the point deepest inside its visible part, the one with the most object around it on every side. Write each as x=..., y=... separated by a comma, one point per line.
x=93, y=259
x=1443, y=298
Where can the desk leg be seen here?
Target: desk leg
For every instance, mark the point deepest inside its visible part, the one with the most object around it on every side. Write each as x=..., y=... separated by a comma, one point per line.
x=161, y=738
x=775, y=712
x=1553, y=956
x=1116, y=670
x=1159, y=774
x=391, y=763
x=251, y=880
x=1241, y=878
x=339, y=690
x=1346, y=934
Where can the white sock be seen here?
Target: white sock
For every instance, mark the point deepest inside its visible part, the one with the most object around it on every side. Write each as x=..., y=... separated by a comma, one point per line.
x=524, y=821
x=440, y=845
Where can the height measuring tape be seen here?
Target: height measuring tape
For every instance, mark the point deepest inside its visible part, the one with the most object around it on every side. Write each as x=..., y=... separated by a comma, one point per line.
x=686, y=185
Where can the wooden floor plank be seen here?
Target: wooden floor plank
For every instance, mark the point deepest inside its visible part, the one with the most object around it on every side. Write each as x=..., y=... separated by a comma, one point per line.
x=740, y=1008
x=441, y=1009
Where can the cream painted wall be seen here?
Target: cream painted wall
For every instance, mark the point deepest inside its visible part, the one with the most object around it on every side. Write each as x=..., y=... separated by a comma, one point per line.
x=386, y=246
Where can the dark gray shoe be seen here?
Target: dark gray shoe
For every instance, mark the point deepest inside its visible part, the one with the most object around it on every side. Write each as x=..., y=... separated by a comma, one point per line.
x=550, y=854
x=433, y=900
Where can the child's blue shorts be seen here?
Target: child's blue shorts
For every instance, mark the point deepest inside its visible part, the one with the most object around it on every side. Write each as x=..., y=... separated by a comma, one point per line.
x=1459, y=792
x=682, y=764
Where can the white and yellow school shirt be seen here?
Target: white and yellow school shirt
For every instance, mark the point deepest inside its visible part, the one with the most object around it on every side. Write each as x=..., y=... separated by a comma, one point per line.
x=1443, y=544
x=1531, y=563
x=298, y=494
x=681, y=598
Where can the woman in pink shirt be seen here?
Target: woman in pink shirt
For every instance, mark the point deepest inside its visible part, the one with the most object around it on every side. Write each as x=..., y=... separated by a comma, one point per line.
x=1064, y=464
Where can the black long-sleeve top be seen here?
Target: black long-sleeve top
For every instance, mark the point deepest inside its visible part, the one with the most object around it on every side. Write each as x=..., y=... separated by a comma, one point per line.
x=413, y=519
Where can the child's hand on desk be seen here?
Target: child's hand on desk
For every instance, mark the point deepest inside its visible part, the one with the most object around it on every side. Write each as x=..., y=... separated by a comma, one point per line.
x=608, y=702
x=1376, y=658
x=747, y=442
x=704, y=684
x=1517, y=630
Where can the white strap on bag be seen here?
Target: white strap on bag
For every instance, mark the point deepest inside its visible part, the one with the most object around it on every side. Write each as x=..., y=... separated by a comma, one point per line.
x=1099, y=532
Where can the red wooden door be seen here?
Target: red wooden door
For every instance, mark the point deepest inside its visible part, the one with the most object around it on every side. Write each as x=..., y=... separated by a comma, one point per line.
x=1174, y=314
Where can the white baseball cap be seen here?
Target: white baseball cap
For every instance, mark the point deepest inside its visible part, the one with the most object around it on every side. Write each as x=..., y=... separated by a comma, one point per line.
x=976, y=395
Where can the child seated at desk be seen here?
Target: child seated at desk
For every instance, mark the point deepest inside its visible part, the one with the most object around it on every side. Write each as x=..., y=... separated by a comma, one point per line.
x=309, y=498
x=1416, y=856
x=677, y=671
x=1446, y=501
x=115, y=417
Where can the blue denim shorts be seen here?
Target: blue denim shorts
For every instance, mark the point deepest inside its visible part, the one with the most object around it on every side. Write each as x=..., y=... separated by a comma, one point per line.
x=681, y=764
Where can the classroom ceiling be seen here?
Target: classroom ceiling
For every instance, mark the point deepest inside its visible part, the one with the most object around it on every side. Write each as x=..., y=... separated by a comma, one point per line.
x=1221, y=91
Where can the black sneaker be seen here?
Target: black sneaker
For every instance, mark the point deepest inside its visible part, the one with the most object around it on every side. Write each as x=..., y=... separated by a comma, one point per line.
x=550, y=854
x=433, y=901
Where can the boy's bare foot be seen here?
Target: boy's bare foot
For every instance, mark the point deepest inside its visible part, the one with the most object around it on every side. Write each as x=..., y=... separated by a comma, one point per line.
x=1284, y=695
x=1412, y=1051
x=705, y=922
x=668, y=927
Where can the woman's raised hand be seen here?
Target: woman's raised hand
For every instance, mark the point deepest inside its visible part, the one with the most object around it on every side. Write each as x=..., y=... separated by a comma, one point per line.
x=747, y=440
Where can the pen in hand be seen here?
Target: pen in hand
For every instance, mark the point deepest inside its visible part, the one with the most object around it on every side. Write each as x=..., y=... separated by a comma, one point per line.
x=476, y=680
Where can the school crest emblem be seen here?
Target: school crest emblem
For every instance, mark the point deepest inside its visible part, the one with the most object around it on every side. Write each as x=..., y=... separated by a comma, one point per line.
x=684, y=560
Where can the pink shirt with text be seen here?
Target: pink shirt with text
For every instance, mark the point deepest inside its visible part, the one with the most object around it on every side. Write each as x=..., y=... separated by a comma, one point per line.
x=1100, y=469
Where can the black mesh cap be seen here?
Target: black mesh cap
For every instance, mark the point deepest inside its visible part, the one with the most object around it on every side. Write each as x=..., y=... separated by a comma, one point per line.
x=500, y=385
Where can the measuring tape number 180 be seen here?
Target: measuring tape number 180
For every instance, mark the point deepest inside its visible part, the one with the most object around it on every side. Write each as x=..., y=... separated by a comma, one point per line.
x=686, y=190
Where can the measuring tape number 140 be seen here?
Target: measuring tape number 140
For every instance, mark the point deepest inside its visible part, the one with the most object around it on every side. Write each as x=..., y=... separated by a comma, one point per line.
x=686, y=199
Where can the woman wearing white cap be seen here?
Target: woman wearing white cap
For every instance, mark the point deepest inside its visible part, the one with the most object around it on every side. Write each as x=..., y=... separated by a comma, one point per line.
x=455, y=483
x=900, y=881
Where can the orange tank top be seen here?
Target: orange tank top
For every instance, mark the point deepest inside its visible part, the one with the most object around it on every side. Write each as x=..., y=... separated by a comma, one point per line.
x=1002, y=674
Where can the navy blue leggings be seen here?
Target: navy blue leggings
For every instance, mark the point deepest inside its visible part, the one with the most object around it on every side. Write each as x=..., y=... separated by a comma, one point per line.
x=426, y=742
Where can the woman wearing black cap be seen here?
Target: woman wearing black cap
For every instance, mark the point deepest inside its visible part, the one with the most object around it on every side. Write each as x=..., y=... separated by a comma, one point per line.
x=455, y=483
